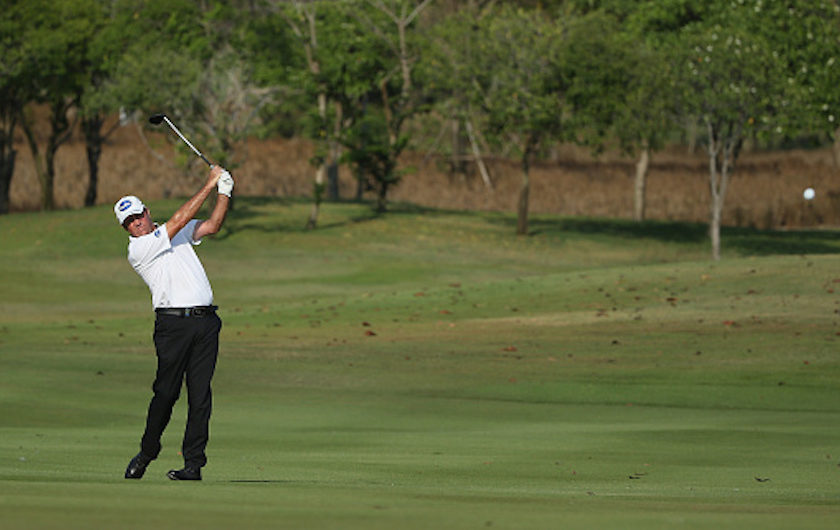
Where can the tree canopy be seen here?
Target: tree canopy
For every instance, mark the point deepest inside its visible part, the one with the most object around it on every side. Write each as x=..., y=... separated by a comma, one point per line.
x=360, y=78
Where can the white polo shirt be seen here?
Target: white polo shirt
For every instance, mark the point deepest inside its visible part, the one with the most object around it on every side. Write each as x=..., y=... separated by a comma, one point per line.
x=171, y=269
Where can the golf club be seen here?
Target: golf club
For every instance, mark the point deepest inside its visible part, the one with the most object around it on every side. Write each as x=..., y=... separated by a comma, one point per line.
x=155, y=119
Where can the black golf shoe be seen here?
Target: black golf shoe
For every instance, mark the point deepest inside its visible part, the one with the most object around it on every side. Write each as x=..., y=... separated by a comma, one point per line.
x=188, y=473
x=137, y=467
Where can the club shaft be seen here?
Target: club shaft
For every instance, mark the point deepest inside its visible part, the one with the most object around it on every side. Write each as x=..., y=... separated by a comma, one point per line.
x=196, y=151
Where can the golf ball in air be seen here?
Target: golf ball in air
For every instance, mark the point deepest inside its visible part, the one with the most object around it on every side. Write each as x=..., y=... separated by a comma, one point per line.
x=808, y=193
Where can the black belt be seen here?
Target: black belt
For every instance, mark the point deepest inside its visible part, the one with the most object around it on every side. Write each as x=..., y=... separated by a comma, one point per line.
x=198, y=311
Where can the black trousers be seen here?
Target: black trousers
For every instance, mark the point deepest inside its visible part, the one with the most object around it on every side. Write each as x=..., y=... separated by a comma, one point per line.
x=187, y=348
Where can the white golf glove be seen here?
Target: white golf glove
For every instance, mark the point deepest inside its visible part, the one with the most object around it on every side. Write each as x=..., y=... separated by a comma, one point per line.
x=225, y=183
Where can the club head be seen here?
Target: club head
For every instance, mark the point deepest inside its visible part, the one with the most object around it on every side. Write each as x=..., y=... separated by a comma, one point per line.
x=155, y=119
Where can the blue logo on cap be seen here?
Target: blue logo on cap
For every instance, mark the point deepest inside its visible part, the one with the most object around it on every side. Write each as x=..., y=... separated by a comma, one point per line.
x=125, y=205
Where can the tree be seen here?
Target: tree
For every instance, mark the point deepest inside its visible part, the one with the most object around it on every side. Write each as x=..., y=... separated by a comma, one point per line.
x=807, y=34
x=617, y=86
x=13, y=93
x=157, y=79
x=515, y=84
x=379, y=139
x=55, y=38
x=303, y=19
x=226, y=107
x=172, y=56
x=734, y=80
x=450, y=49
x=96, y=102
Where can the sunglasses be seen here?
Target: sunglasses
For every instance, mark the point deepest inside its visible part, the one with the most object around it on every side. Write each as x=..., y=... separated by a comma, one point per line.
x=131, y=218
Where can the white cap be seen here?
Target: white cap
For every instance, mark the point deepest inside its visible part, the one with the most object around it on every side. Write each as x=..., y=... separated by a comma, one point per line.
x=128, y=206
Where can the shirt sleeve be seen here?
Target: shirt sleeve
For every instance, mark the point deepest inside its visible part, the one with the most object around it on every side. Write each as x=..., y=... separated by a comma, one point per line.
x=144, y=250
x=190, y=229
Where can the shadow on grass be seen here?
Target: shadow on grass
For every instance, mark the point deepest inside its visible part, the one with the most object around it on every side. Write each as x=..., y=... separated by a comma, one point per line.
x=745, y=241
x=259, y=481
x=750, y=242
x=661, y=231
x=245, y=216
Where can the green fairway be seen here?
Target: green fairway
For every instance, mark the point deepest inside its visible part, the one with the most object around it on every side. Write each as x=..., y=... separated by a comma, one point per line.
x=429, y=369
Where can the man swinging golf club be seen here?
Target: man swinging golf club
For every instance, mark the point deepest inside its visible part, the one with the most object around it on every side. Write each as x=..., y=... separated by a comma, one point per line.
x=187, y=328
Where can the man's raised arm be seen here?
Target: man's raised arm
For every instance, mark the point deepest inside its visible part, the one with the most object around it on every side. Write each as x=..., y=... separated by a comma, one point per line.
x=188, y=210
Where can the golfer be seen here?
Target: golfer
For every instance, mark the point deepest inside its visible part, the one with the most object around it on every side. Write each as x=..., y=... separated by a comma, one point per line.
x=187, y=328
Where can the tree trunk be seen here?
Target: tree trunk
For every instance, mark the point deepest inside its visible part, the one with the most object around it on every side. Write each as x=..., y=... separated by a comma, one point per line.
x=724, y=145
x=524, y=192
x=485, y=175
x=382, y=198
x=7, y=168
x=714, y=227
x=92, y=129
x=8, y=119
x=318, y=185
x=715, y=180
x=836, y=148
x=38, y=158
x=318, y=195
x=457, y=164
x=48, y=177
x=333, y=192
x=641, y=182
x=60, y=130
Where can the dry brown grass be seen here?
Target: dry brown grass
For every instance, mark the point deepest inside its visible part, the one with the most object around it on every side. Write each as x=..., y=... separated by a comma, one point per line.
x=766, y=190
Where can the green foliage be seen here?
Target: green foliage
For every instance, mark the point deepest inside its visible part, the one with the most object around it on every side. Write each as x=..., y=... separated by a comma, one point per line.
x=655, y=19
x=507, y=64
x=728, y=74
x=357, y=69
x=156, y=79
x=517, y=73
x=768, y=63
x=616, y=84
x=371, y=152
x=54, y=39
x=271, y=49
x=171, y=24
x=524, y=74
x=807, y=35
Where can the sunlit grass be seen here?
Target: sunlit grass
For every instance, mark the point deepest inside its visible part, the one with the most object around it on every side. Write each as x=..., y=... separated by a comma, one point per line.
x=429, y=369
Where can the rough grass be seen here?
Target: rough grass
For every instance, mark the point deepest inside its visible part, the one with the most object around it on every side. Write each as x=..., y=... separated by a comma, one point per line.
x=427, y=369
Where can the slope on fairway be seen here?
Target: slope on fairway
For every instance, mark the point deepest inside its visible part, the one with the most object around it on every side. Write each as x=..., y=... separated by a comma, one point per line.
x=429, y=369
